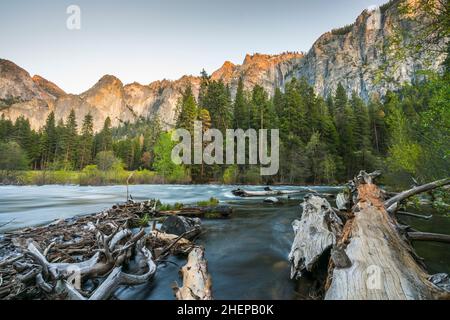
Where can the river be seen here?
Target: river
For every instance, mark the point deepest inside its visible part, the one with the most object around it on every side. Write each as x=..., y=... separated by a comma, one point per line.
x=247, y=254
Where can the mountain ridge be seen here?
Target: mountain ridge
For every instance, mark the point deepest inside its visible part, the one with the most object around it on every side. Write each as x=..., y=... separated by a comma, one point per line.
x=352, y=55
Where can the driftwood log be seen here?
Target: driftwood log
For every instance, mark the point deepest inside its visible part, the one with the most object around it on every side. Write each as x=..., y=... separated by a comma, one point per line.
x=268, y=192
x=88, y=257
x=196, y=279
x=199, y=212
x=371, y=257
x=316, y=232
x=392, y=203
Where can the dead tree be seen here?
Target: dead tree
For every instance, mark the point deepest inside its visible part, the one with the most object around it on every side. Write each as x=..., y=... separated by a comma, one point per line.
x=371, y=258
x=196, y=279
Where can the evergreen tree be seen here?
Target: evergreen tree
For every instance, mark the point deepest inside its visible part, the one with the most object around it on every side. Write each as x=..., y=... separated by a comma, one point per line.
x=218, y=103
x=49, y=140
x=187, y=110
x=104, y=138
x=241, y=112
x=70, y=141
x=345, y=125
x=86, y=141
x=6, y=127
x=377, y=125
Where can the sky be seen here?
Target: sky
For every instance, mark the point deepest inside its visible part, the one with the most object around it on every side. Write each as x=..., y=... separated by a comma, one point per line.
x=144, y=41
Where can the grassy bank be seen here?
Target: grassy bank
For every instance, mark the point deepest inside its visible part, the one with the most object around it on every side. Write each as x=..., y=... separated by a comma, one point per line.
x=88, y=176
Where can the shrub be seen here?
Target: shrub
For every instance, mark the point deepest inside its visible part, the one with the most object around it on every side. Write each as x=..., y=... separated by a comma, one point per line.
x=106, y=160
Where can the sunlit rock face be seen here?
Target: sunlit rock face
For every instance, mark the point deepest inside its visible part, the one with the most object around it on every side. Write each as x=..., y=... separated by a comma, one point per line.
x=268, y=71
x=15, y=82
x=361, y=57
x=49, y=87
x=36, y=97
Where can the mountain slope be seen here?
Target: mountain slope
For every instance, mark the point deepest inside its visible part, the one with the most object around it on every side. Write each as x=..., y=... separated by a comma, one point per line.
x=363, y=56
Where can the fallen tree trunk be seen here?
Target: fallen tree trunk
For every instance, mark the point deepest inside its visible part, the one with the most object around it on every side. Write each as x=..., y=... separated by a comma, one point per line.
x=199, y=212
x=390, y=204
x=409, y=214
x=316, y=232
x=370, y=258
x=382, y=264
x=269, y=192
x=426, y=236
x=196, y=279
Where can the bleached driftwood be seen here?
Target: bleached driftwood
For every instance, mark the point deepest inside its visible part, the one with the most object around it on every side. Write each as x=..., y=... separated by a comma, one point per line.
x=370, y=256
x=268, y=192
x=392, y=203
x=382, y=263
x=196, y=279
x=315, y=232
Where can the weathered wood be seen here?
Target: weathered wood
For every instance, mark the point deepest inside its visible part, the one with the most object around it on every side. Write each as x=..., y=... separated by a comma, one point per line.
x=163, y=241
x=117, y=278
x=269, y=192
x=315, y=233
x=427, y=236
x=196, y=279
x=382, y=263
x=342, y=202
x=409, y=214
x=114, y=280
x=416, y=190
x=221, y=211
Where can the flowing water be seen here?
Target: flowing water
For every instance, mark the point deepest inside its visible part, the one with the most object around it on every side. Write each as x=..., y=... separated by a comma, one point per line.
x=247, y=254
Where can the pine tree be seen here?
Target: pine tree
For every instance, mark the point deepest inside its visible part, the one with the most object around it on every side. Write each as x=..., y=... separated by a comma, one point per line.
x=6, y=128
x=241, y=112
x=104, y=137
x=377, y=126
x=86, y=141
x=218, y=102
x=205, y=79
x=70, y=141
x=203, y=173
x=49, y=141
x=187, y=110
x=362, y=127
x=345, y=124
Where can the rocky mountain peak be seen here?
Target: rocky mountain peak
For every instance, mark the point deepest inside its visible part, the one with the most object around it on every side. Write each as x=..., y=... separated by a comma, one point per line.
x=48, y=86
x=17, y=84
x=359, y=55
x=225, y=72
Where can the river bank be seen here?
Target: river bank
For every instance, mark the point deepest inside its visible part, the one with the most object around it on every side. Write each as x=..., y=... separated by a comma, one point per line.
x=85, y=177
x=105, y=178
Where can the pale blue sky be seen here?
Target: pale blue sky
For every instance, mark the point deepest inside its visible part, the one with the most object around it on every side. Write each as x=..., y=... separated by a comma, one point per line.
x=143, y=41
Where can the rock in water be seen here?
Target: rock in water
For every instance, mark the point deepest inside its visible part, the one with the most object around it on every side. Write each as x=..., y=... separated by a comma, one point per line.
x=179, y=225
x=271, y=200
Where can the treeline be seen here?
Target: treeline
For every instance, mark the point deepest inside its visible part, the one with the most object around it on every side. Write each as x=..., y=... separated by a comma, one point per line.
x=63, y=145
x=328, y=140
x=322, y=140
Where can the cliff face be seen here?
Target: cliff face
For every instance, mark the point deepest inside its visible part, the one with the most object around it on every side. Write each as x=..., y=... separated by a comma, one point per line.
x=360, y=56
x=268, y=71
x=363, y=56
x=36, y=97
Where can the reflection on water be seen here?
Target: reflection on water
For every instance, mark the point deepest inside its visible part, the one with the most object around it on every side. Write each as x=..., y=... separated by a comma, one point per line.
x=247, y=254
